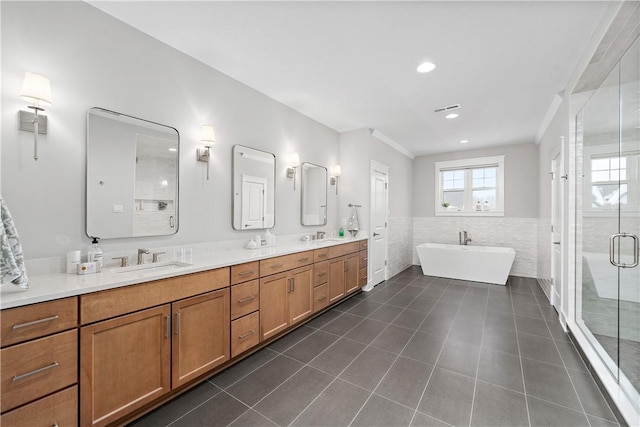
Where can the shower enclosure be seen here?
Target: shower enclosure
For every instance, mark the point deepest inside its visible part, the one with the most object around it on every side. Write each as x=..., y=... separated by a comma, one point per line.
x=607, y=219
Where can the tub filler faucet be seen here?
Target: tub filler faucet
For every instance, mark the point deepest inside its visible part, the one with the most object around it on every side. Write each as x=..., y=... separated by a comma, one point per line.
x=463, y=239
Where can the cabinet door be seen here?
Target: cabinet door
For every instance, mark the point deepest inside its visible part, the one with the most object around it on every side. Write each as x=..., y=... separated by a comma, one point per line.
x=274, y=311
x=301, y=294
x=336, y=279
x=351, y=273
x=125, y=364
x=201, y=341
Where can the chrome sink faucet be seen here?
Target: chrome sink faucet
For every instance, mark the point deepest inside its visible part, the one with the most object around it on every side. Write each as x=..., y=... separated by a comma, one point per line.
x=141, y=254
x=463, y=239
x=320, y=235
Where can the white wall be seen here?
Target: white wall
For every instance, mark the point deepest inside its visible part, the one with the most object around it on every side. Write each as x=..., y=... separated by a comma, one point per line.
x=94, y=60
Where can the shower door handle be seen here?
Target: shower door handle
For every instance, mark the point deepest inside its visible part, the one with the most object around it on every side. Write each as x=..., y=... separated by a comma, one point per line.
x=636, y=251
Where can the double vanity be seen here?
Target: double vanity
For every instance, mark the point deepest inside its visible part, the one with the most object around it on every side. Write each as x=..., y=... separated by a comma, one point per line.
x=106, y=348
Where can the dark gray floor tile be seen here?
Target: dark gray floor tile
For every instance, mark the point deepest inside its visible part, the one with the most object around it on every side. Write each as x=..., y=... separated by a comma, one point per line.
x=400, y=300
x=570, y=356
x=459, y=356
x=323, y=319
x=545, y=414
x=444, y=309
x=550, y=383
x=381, y=412
x=311, y=346
x=437, y=325
x=243, y=368
x=475, y=314
x=218, y=411
x=448, y=397
x=369, y=368
x=412, y=291
x=422, y=304
x=382, y=296
x=342, y=324
x=393, y=339
x=500, y=368
x=264, y=380
x=539, y=348
x=529, y=325
x=549, y=313
x=432, y=293
x=410, y=319
x=422, y=420
x=424, y=347
x=556, y=331
x=366, y=331
x=501, y=339
x=287, y=401
x=520, y=287
x=252, y=419
x=496, y=406
x=502, y=305
x=529, y=310
x=405, y=382
x=599, y=422
x=590, y=396
x=348, y=304
x=365, y=308
x=465, y=331
x=176, y=408
x=520, y=299
x=499, y=320
x=336, y=406
x=337, y=357
x=291, y=339
x=386, y=313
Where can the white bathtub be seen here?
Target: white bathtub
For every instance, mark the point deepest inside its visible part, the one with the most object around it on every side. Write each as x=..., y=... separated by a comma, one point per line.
x=475, y=263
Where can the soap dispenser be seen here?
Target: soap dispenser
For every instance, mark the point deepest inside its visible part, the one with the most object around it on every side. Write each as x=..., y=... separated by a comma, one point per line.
x=94, y=254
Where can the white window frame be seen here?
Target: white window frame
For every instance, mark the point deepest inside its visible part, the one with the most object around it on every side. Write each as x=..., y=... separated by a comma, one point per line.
x=478, y=162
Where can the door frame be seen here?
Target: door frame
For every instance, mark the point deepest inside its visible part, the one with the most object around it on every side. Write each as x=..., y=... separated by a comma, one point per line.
x=557, y=230
x=377, y=167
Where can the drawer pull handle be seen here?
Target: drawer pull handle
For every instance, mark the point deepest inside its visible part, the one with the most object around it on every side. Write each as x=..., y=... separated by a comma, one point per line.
x=324, y=273
x=178, y=324
x=247, y=335
x=303, y=259
x=279, y=265
x=35, y=322
x=247, y=299
x=36, y=371
x=364, y=259
x=322, y=298
x=322, y=256
x=246, y=273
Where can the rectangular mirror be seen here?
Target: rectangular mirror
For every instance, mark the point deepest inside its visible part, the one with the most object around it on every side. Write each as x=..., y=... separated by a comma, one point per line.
x=254, y=176
x=314, y=195
x=132, y=176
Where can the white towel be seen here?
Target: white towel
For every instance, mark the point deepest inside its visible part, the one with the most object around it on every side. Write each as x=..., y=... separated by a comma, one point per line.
x=12, y=266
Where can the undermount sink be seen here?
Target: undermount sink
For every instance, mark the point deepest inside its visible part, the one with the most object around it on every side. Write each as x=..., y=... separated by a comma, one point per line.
x=329, y=240
x=154, y=267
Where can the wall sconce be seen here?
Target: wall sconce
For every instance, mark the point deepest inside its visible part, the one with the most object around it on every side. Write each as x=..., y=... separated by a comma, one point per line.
x=336, y=171
x=36, y=89
x=294, y=162
x=208, y=136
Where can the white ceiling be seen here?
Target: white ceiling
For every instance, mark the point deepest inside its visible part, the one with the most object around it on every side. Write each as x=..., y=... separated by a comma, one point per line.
x=352, y=64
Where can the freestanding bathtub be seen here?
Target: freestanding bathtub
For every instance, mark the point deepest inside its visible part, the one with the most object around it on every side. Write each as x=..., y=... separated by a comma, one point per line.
x=475, y=263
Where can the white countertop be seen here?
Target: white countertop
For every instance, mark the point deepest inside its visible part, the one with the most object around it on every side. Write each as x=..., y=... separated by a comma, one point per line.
x=54, y=286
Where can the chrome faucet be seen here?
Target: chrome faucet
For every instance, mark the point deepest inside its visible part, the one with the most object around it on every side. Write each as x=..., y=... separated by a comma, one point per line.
x=320, y=235
x=141, y=254
x=462, y=238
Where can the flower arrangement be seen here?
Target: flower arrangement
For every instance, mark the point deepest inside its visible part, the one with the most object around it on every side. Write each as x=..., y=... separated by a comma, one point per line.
x=446, y=204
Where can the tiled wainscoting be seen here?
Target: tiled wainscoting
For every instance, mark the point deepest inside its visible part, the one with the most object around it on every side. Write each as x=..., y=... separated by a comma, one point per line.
x=400, y=244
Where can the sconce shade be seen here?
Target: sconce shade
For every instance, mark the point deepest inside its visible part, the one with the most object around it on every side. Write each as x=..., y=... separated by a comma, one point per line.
x=36, y=89
x=208, y=134
x=294, y=160
x=336, y=170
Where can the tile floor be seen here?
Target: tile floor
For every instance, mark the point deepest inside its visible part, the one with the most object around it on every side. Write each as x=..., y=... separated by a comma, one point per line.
x=415, y=351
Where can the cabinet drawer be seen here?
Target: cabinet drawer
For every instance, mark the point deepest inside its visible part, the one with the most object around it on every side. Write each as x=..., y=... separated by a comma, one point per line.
x=320, y=273
x=60, y=409
x=245, y=272
x=245, y=298
x=34, y=321
x=284, y=263
x=320, y=297
x=344, y=249
x=321, y=254
x=364, y=244
x=362, y=277
x=36, y=368
x=363, y=259
x=245, y=333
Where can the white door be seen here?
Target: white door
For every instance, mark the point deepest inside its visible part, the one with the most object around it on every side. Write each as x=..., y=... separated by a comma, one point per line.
x=379, y=217
x=253, y=197
x=556, y=230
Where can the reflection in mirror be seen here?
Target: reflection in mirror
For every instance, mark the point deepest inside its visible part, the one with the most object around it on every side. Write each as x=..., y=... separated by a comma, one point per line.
x=314, y=195
x=132, y=176
x=254, y=174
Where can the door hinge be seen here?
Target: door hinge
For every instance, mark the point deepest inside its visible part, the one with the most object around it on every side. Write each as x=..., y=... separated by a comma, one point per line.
x=386, y=185
x=385, y=262
x=385, y=224
x=552, y=228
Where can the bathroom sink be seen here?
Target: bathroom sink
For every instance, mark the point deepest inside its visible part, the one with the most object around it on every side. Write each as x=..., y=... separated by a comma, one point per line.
x=154, y=267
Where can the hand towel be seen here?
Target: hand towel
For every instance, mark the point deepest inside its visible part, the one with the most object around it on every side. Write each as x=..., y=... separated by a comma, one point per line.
x=12, y=268
x=354, y=225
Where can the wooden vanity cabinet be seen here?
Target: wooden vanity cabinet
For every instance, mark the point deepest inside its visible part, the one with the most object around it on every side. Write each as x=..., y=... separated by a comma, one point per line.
x=245, y=306
x=343, y=271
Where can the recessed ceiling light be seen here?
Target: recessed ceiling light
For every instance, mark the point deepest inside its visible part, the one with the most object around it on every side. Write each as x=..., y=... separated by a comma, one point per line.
x=425, y=67
x=464, y=141
x=451, y=116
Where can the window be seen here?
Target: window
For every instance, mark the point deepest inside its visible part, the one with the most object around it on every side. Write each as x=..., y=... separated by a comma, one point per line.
x=470, y=187
x=608, y=182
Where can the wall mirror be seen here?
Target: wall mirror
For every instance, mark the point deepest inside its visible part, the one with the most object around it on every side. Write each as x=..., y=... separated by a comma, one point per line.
x=314, y=195
x=132, y=176
x=254, y=176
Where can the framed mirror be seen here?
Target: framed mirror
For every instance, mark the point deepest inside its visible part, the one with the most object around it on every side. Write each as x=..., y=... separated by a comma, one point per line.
x=132, y=176
x=314, y=195
x=254, y=180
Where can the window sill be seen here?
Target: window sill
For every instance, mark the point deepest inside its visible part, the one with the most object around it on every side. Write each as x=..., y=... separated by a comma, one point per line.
x=462, y=213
